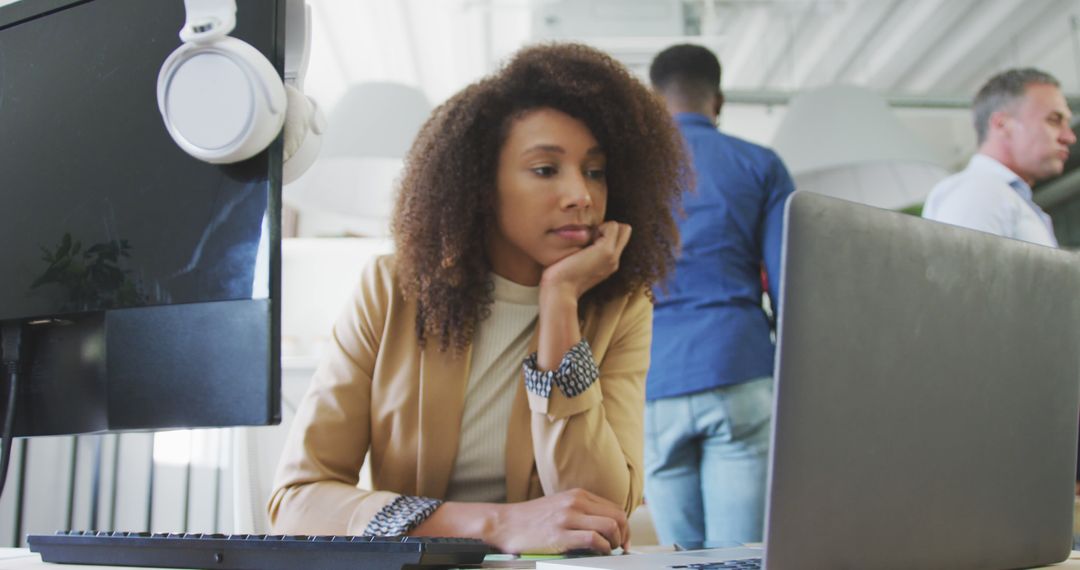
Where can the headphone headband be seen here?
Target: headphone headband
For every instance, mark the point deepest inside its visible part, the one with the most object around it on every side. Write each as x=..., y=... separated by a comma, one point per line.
x=297, y=41
x=208, y=20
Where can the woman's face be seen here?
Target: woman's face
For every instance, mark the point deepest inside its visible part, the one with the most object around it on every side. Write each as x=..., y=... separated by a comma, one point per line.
x=551, y=193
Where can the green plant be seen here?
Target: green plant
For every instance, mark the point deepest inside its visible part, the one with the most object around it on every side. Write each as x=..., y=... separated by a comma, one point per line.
x=93, y=278
x=914, y=210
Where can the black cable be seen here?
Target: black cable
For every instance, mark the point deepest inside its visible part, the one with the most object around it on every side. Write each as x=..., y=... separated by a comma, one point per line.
x=11, y=354
x=20, y=493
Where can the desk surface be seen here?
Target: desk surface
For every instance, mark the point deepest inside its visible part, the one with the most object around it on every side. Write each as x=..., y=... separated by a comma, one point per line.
x=23, y=559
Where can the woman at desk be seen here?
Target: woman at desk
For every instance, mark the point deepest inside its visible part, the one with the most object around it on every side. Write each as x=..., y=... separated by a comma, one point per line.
x=495, y=365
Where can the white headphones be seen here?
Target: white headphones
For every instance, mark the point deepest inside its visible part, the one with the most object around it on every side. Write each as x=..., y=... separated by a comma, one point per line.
x=223, y=102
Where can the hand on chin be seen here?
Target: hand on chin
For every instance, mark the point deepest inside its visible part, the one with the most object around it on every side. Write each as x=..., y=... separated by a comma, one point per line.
x=584, y=267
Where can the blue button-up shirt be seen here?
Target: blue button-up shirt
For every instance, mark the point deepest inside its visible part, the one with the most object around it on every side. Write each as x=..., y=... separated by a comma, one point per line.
x=709, y=328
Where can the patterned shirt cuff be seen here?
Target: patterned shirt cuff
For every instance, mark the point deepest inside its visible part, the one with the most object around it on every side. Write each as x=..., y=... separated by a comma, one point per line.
x=401, y=515
x=575, y=373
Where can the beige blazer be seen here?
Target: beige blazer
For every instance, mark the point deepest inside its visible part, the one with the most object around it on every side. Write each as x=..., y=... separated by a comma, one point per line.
x=377, y=389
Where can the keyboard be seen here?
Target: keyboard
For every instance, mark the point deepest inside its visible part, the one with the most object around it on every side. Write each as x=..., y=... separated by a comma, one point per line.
x=255, y=551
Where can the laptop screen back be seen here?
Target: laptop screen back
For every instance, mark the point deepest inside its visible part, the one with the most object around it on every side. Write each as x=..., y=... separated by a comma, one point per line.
x=927, y=386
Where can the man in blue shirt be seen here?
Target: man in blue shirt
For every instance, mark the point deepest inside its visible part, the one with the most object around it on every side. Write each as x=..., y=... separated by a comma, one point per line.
x=709, y=389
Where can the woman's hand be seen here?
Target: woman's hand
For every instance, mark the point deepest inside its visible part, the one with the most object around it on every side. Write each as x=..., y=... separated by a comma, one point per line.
x=580, y=271
x=565, y=281
x=571, y=520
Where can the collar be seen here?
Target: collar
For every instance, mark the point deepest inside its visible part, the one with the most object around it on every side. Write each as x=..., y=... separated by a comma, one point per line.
x=991, y=166
x=510, y=292
x=686, y=119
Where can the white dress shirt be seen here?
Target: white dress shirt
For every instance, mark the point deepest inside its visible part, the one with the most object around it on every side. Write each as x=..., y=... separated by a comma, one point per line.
x=987, y=196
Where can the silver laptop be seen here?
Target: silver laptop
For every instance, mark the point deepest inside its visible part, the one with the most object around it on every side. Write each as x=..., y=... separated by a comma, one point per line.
x=928, y=379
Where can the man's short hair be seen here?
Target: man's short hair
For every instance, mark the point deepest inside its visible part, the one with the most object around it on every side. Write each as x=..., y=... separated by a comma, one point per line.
x=1002, y=90
x=690, y=70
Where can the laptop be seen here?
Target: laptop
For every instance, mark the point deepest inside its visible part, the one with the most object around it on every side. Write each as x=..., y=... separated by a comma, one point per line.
x=927, y=389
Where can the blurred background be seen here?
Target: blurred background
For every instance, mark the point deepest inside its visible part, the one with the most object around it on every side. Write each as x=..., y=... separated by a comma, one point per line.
x=864, y=99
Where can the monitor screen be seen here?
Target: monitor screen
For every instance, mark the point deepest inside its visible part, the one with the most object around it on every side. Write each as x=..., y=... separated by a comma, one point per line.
x=148, y=280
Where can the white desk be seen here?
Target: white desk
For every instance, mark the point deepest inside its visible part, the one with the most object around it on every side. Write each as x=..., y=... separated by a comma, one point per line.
x=23, y=559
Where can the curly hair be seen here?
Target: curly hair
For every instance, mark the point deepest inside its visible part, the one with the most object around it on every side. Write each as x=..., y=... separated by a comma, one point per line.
x=446, y=199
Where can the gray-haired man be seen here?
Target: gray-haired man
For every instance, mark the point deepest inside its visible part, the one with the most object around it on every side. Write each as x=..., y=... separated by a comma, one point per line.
x=1024, y=133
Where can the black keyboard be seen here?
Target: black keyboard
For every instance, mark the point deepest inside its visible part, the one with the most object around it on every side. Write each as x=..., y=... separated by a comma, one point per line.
x=255, y=551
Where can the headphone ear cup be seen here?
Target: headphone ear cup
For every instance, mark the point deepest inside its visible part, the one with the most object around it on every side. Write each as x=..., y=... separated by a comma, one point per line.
x=304, y=127
x=222, y=101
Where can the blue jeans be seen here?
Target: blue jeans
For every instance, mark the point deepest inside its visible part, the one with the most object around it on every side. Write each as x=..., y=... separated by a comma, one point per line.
x=706, y=463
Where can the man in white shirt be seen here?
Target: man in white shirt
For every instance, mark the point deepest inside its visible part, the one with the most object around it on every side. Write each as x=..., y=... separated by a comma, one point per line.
x=1024, y=133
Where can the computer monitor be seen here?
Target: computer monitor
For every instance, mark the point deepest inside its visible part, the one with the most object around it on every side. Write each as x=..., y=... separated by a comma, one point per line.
x=147, y=281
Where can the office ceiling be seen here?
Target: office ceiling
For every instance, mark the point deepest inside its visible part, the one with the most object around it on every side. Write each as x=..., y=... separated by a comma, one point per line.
x=920, y=52
x=942, y=48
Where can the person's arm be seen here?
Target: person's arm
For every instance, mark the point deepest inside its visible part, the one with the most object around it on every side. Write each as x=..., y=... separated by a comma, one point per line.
x=315, y=487
x=562, y=285
x=778, y=187
x=587, y=416
x=587, y=428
